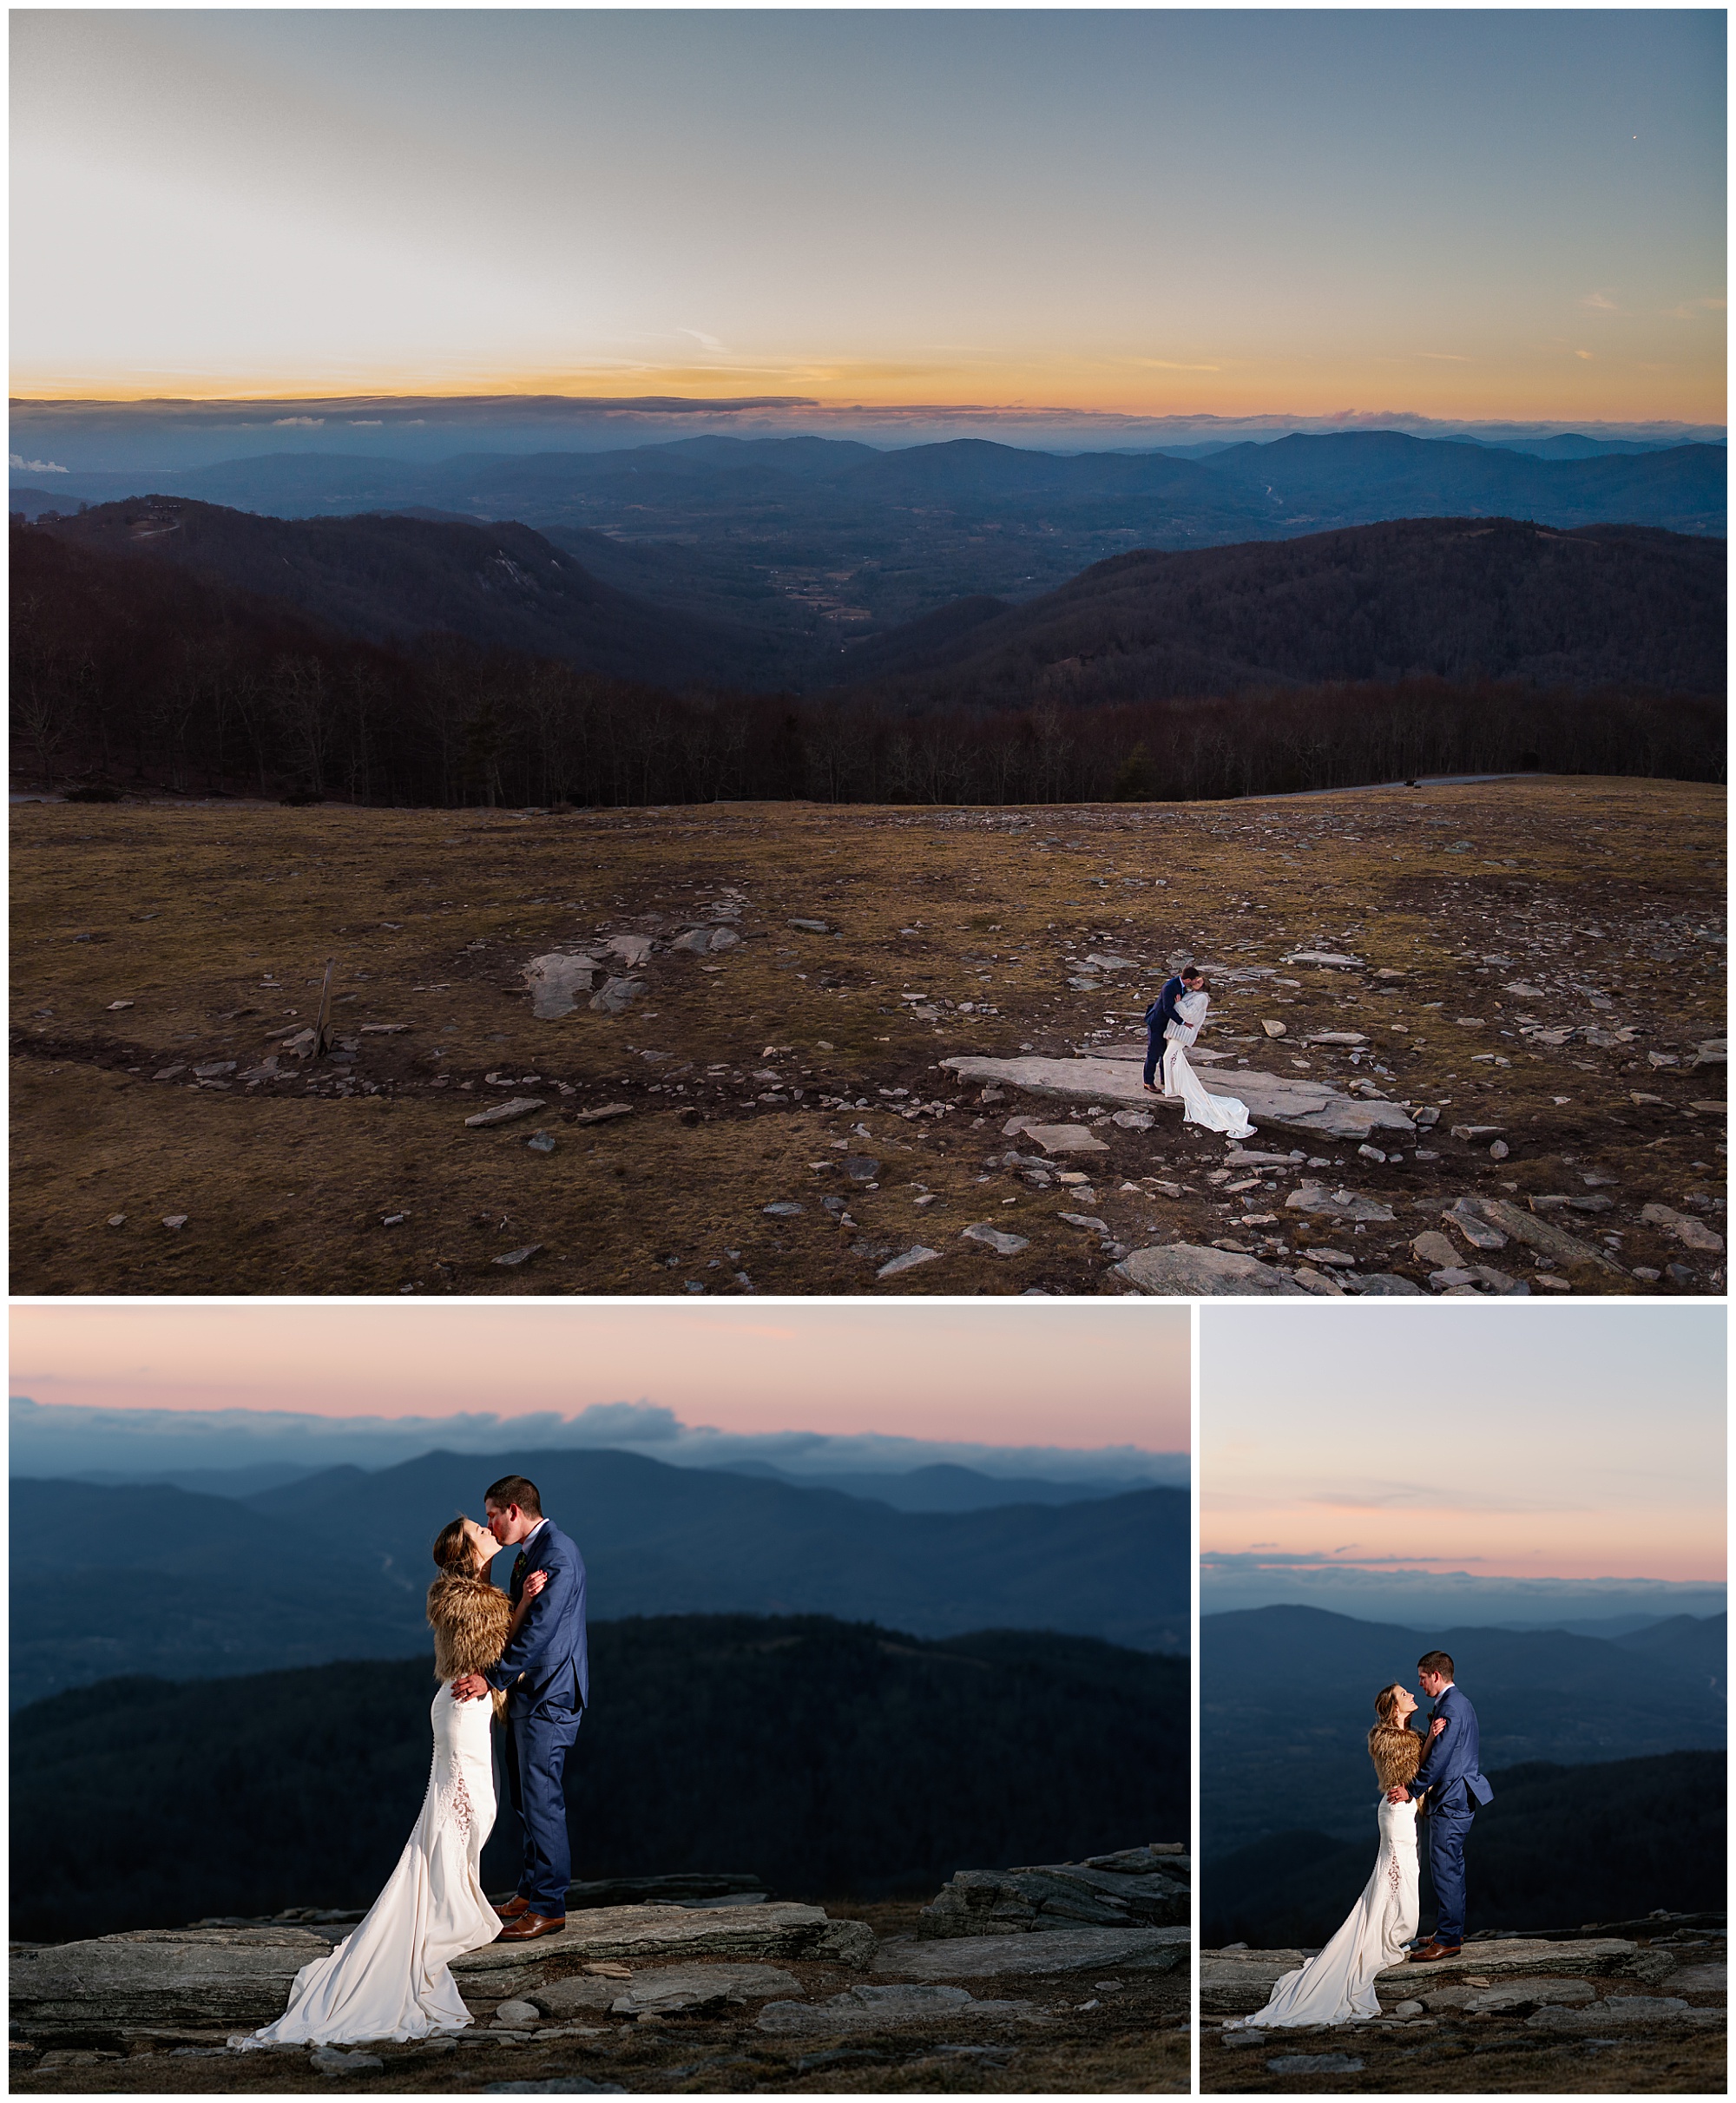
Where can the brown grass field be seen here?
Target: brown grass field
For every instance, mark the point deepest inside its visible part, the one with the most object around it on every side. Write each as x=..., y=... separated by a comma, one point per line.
x=753, y=1072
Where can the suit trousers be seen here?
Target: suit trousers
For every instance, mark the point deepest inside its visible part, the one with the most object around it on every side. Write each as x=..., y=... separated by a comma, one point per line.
x=538, y=1740
x=1154, y=1049
x=1448, y=1828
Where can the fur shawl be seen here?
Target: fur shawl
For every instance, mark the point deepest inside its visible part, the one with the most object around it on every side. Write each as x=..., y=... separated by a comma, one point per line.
x=470, y=1618
x=1396, y=1753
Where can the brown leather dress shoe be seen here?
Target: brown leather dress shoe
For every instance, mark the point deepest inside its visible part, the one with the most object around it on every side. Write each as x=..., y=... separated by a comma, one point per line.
x=513, y=1907
x=528, y=1926
x=1431, y=1953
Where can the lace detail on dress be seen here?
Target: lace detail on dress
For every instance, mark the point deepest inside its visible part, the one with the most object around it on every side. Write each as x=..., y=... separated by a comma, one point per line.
x=1393, y=1876
x=452, y=1802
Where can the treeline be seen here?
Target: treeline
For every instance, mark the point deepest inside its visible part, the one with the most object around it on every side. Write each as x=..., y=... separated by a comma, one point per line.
x=129, y=674
x=833, y=1759
x=1559, y=1846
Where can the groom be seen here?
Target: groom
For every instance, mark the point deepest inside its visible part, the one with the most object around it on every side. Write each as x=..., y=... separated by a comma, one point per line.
x=1162, y=1013
x=1450, y=1774
x=546, y=1672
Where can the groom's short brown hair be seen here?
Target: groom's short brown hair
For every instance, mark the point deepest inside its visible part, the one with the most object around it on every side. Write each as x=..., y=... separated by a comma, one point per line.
x=1430, y=1661
x=513, y=1489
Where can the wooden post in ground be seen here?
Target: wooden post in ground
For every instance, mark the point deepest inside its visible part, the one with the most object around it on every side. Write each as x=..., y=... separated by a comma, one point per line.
x=324, y=1023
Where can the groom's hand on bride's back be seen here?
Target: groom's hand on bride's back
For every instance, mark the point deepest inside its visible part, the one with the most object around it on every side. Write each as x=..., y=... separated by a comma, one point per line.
x=469, y=1686
x=1396, y=1796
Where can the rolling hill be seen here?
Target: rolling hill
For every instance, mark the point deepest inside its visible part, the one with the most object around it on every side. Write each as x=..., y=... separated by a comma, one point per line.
x=159, y=1579
x=1434, y=597
x=829, y=1758
x=1286, y=1697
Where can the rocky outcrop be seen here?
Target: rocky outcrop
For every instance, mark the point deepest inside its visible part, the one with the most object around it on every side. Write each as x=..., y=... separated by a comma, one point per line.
x=1633, y=1993
x=1143, y=1887
x=1272, y=1099
x=1188, y=1268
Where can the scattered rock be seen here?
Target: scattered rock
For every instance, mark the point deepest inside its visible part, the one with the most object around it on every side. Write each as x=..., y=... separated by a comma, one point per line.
x=504, y=1113
x=616, y=994
x=632, y=949
x=175, y=1221
x=1184, y=1269
x=541, y=1143
x=1627, y=2012
x=601, y=1116
x=1336, y=1036
x=1519, y=1996
x=1692, y=1234
x=1535, y=1233
x=1132, y=1120
x=327, y=2059
x=1435, y=1250
x=1325, y=957
x=700, y=1986
x=1275, y=1030
x=861, y=1167
x=1085, y=1221
x=566, y=2085
x=908, y=1261
x=517, y=1256
x=1316, y=1200
x=1065, y=1138
x=114, y=1006
x=517, y=2015
x=1714, y=1052
x=117, y=1218
x=1387, y=1284
x=813, y=927
x=214, y=1069
x=991, y=1237
x=1313, y=2062
x=786, y=1208
x=1463, y=1214
x=555, y=981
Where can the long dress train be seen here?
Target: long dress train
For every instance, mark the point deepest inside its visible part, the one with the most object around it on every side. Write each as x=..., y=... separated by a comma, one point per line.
x=389, y=1978
x=1338, y=1984
x=1225, y=1114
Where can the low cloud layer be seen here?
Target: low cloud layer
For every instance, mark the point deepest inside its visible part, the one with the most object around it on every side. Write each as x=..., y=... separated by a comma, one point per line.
x=1438, y=1598
x=53, y=1439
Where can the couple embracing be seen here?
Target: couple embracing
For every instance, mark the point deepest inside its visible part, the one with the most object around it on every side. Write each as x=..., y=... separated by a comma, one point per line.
x=519, y=1655
x=1173, y=1023
x=1437, y=1778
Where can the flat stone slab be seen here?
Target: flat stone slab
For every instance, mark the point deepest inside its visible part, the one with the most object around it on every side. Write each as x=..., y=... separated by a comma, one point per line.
x=995, y=1957
x=703, y=1985
x=780, y=1930
x=1136, y=1889
x=555, y=981
x=504, y=1113
x=162, y=1978
x=1272, y=1099
x=1231, y=1983
x=877, y=2008
x=1065, y=1138
x=1535, y=1233
x=1627, y=2012
x=1185, y=1268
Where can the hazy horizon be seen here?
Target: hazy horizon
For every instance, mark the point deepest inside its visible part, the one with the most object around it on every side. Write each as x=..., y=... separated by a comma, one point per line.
x=1474, y=214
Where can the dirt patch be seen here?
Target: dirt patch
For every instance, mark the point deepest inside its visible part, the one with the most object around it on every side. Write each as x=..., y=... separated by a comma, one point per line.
x=950, y=932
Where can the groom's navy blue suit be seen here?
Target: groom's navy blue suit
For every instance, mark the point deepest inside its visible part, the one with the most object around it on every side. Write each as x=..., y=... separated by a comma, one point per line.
x=1454, y=1779
x=546, y=1672
x=1160, y=1013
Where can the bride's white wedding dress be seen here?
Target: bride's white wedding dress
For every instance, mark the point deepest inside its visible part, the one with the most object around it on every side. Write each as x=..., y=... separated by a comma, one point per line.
x=1216, y=1113
x=389, y=1979
x=1338, y=1984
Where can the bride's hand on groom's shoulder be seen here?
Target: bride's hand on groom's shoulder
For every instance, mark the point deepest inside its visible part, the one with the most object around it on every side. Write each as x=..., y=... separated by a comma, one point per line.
x=1434, y=1728
x=533, y=1583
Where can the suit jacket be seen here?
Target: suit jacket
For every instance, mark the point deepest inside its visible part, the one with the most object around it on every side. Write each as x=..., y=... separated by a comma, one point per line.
x=1450, y=1768
x=1161, y=1012
x=547, y=1659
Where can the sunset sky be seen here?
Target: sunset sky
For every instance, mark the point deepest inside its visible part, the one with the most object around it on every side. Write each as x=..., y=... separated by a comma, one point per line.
x=1468, y=214
x=1503, y=1441
x=1003, y=1374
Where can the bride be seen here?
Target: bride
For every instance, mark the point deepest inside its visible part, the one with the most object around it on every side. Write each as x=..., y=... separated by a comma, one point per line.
x=389, y=1979
x=1338, y=1984
x=1216, y=1113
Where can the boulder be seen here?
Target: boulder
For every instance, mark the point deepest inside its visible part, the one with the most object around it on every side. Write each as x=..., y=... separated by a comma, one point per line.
x=1148, y=1893
x=1301, y=1105
x=1434, y=1251
x=617, y=995
x=1465, y=1214
x=1184, y=1269
x=555, y=981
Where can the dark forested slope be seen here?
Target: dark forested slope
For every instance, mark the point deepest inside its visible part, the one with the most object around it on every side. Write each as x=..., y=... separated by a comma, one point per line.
x=829, y=1758
x=1446, y=598
x=1558, y=1847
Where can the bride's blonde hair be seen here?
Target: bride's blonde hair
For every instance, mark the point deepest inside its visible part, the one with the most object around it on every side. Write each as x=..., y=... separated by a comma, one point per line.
x=455, y=1551
x=1385, y=1702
